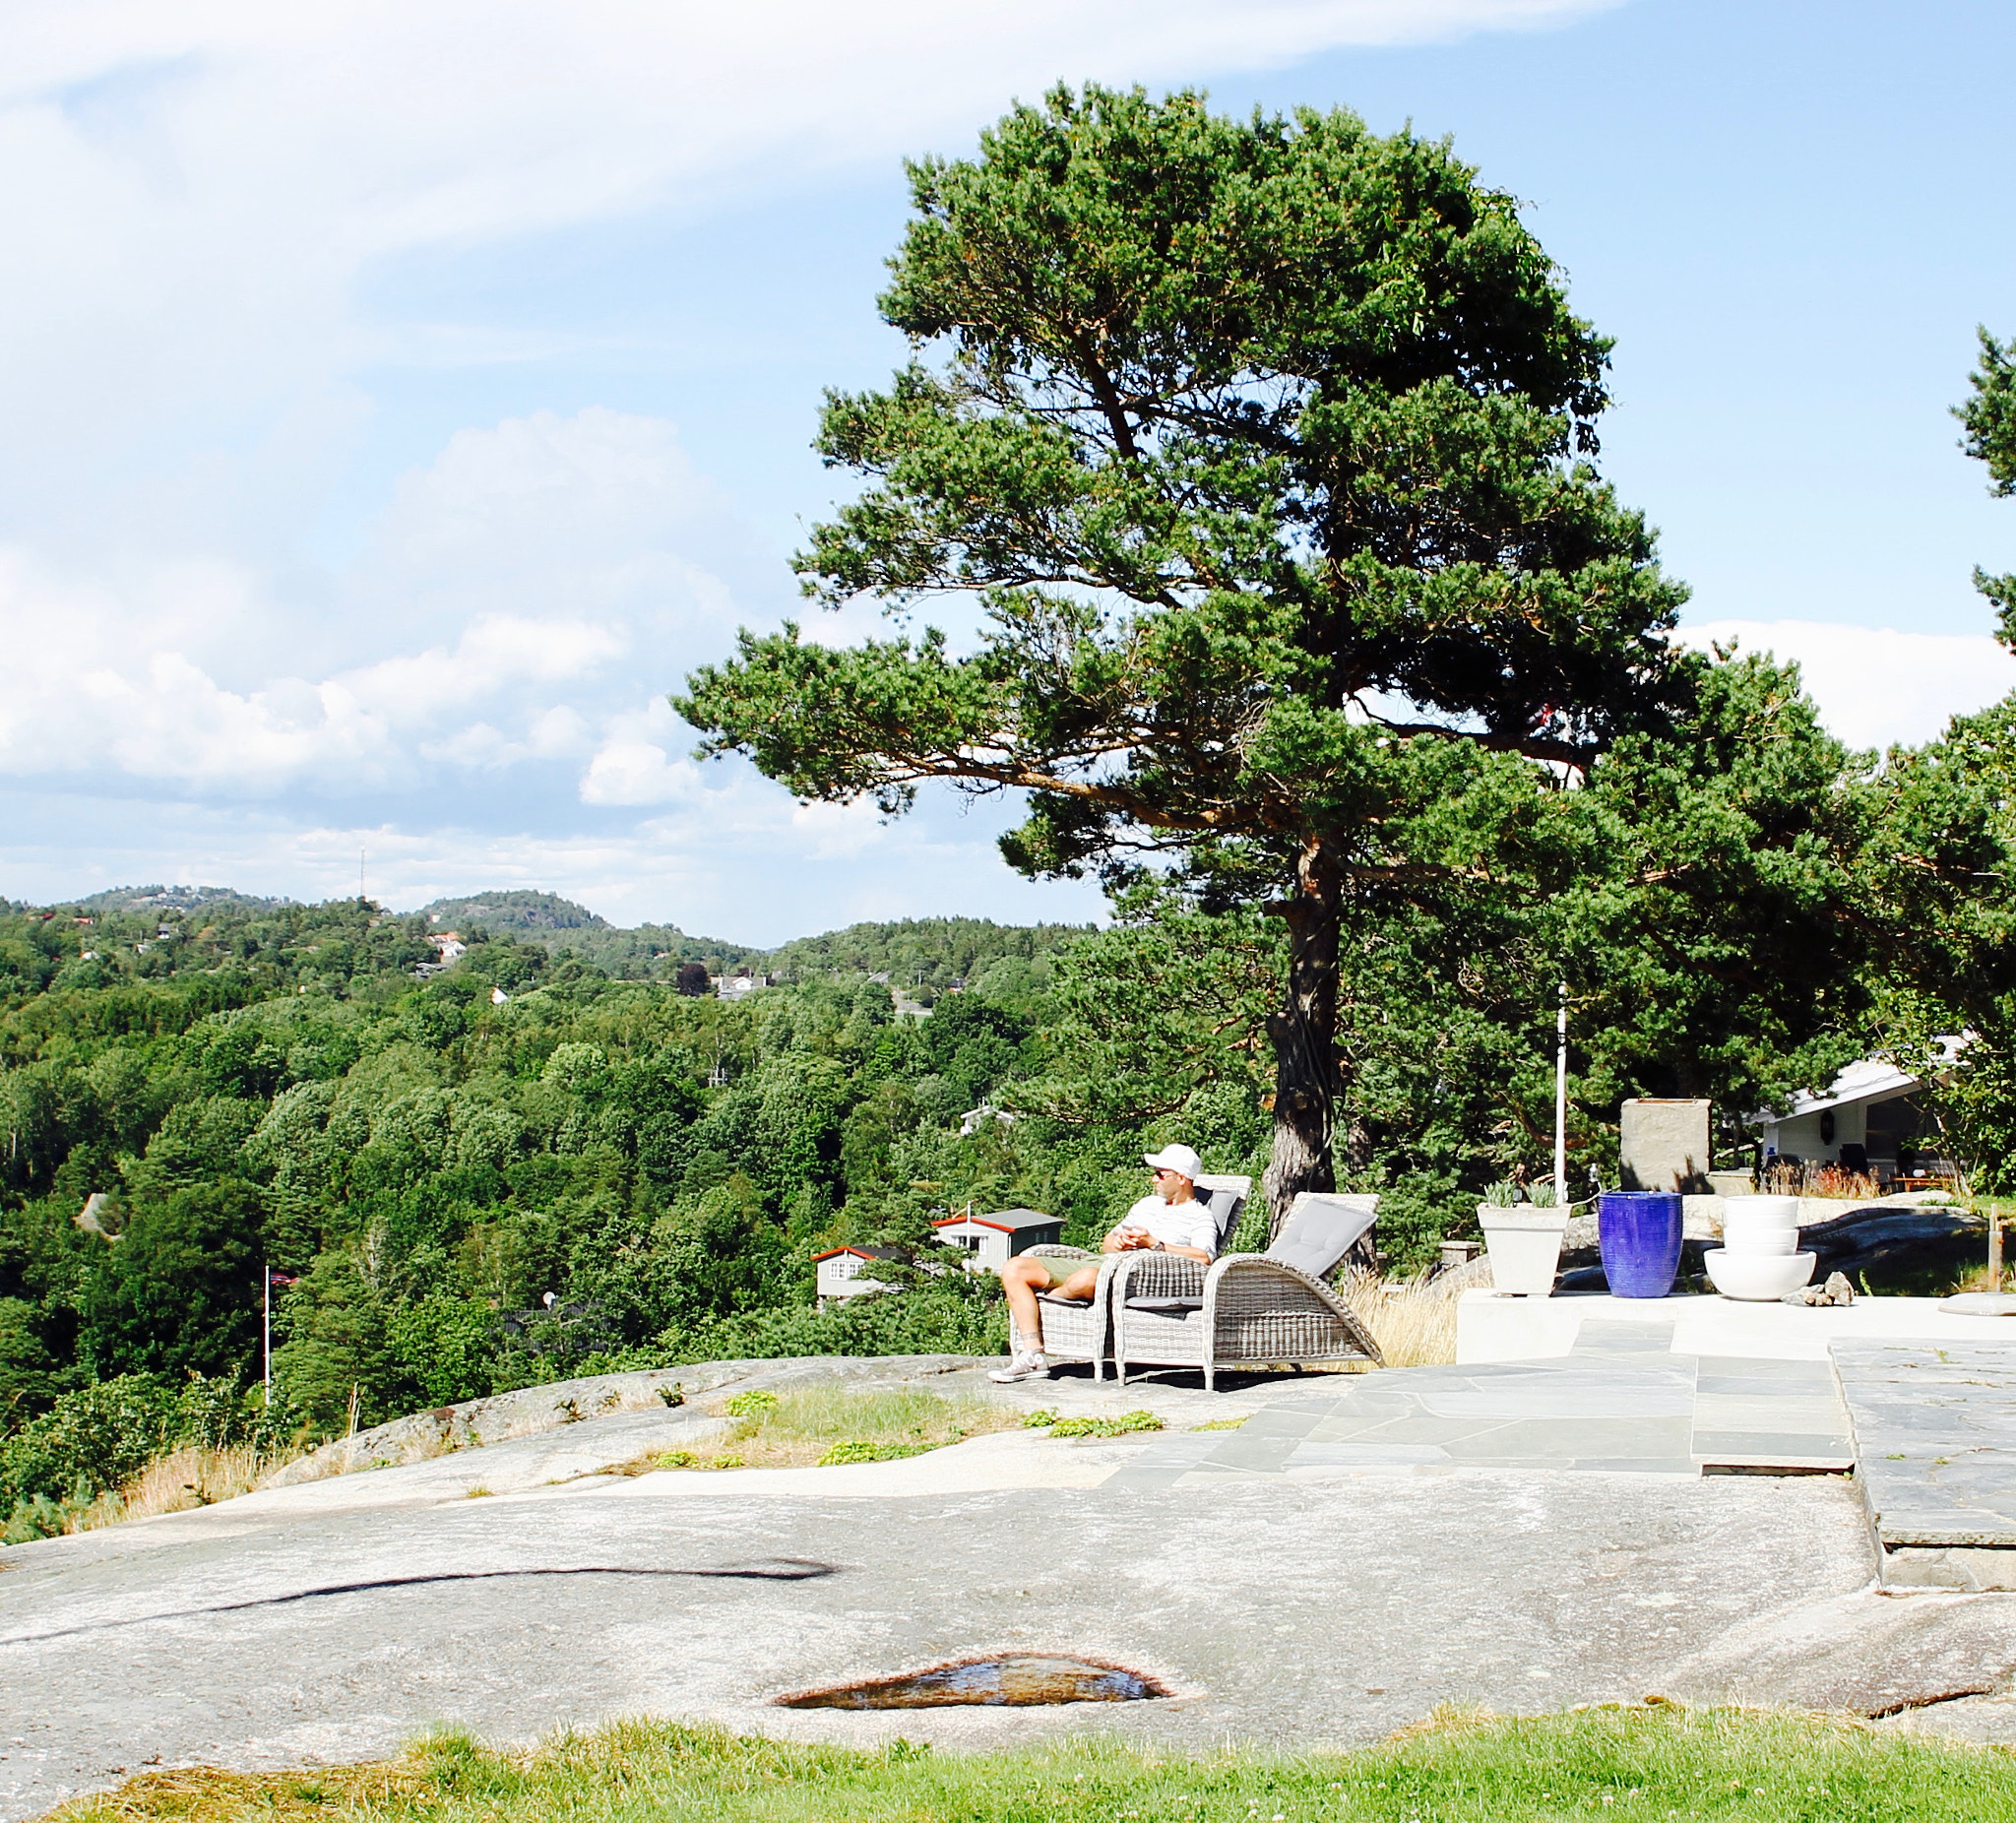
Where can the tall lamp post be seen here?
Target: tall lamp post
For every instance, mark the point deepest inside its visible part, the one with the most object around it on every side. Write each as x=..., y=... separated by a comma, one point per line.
x=1561, y=1101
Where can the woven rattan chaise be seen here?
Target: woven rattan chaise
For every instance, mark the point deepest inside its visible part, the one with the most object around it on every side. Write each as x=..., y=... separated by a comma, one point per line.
x=1083, y=1332
x=1248, y=1309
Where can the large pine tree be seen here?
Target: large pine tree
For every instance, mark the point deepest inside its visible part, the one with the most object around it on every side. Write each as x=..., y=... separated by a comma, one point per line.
x=1264, y=447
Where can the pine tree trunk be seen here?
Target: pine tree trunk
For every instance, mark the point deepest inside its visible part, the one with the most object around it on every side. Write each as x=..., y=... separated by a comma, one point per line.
x=1304, y=1035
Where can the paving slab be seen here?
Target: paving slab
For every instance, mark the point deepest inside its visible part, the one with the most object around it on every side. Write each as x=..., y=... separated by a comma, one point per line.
x=1622, y=1403
x=1935, y=1447
x=1494, y=1327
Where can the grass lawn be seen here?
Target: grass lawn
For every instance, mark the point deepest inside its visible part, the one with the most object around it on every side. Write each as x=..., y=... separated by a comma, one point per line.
x=831, y=1423
x=1656, y=1761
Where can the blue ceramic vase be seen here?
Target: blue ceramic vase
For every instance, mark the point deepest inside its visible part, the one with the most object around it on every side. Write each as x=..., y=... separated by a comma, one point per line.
x=1639, y=1232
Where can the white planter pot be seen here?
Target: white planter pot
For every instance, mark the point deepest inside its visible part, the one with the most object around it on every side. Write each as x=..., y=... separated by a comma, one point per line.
x=1525, y=1247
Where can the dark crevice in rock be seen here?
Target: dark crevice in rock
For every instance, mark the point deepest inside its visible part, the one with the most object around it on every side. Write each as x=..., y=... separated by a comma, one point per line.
x=1020, y=1680
x=1906, y=1704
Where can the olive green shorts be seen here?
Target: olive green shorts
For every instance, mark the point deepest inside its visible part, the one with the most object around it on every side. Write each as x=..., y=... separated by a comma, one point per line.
x=1061, y=1270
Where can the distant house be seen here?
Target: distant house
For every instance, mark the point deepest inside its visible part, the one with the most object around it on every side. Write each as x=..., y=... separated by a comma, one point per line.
x=840, y=1268
x=1868, y=1119
x=736, y=986
x=98, y=1209
x=993, y=1238
x=448, y=946
x=974, y=1118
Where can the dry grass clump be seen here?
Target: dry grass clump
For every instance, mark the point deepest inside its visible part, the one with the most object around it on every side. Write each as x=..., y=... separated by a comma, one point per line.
x=190, y=1477
x=799, y=1429
x=1414, y=1322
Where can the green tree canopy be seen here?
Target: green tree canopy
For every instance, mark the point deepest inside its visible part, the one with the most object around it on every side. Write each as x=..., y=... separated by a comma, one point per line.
x=180, y=1290
x=1261, y=446
x=1990, y=419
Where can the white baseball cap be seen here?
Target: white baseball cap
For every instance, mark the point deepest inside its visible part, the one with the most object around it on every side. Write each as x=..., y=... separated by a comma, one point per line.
x=1174, y=1158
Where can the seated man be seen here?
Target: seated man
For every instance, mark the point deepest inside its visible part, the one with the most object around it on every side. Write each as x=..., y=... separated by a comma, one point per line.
x=1171, y=1218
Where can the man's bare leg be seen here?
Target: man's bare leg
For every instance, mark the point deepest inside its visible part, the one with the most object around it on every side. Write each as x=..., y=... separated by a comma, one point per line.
x=1022, y=1278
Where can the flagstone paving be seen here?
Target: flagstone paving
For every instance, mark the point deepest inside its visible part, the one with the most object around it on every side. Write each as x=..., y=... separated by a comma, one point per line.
x=1935, y=1428
x=1622, y=1403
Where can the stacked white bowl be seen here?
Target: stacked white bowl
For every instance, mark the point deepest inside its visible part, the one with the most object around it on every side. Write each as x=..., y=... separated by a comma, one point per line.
x=1759, y=1257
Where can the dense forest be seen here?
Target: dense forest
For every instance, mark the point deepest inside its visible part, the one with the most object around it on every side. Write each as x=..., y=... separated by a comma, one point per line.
x=499, y=1173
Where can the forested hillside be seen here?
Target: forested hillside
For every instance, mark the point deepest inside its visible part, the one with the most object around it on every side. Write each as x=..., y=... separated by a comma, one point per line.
x=514, y=1171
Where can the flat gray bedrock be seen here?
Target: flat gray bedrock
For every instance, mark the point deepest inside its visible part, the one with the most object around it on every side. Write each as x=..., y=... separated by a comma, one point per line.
x=1287, y=1613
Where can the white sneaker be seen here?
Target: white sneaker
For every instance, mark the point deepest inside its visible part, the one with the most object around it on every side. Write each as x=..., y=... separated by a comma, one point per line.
x=1030, y=1366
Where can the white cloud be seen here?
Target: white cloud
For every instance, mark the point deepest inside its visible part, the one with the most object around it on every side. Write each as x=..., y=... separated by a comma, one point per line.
x=192, y=197
x=1877, y=686
x=509, y=579
x=490, y=655
x=638, y=772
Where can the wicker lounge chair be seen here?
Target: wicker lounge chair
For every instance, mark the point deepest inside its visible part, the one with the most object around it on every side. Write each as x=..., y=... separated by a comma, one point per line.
x=1083, y=1332
x=1246, y=1309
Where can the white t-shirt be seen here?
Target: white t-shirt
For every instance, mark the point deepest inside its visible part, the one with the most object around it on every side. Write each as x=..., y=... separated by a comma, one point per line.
x=1175, y=1224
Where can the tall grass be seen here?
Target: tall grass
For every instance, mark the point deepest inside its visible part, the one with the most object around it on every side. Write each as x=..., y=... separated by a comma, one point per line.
x=190, y=1477
x=1713, y=1766
x=1413, y=1323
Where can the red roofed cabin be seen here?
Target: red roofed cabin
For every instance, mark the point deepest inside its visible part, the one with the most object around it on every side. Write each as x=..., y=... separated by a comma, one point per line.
x=994, y=1238
x=841, y=1269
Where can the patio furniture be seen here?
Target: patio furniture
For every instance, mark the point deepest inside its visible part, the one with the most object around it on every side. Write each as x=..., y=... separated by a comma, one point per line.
x=1246, y=1309
x=1083, y=1332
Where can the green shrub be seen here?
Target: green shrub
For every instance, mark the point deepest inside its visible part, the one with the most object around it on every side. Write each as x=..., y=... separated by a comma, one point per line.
x=1105, y=1426
x=90, y=1441
x=1042, y=1415
x=856, y=1450
x=757, y=1403
x=36, y=1518
x=909, y=1323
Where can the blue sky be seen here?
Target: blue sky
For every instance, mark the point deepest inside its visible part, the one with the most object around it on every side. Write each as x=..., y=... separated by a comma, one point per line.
x=401, y=399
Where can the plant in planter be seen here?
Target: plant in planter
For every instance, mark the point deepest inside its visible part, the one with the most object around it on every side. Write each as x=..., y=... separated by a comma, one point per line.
x=1521, y=1238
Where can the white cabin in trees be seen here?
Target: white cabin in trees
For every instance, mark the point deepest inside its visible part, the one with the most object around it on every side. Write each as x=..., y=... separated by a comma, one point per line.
x=1000, y=1237
x=840, y=1270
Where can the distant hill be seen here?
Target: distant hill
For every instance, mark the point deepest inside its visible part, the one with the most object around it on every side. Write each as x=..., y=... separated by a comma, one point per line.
x=515, y=911
x=647, y=953
x=174, y=899
x=923, y=957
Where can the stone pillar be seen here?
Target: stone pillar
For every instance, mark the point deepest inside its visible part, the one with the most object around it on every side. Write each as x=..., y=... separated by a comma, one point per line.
x=1664, y=1145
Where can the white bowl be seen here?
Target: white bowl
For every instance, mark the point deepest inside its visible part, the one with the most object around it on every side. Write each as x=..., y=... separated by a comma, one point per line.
x=1756, y=1242
x=1736, y=1228
x=1757, y=1278
x=1783, y=1211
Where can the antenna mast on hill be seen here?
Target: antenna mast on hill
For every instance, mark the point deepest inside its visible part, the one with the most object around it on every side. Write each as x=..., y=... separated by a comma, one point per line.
x=360, y=874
